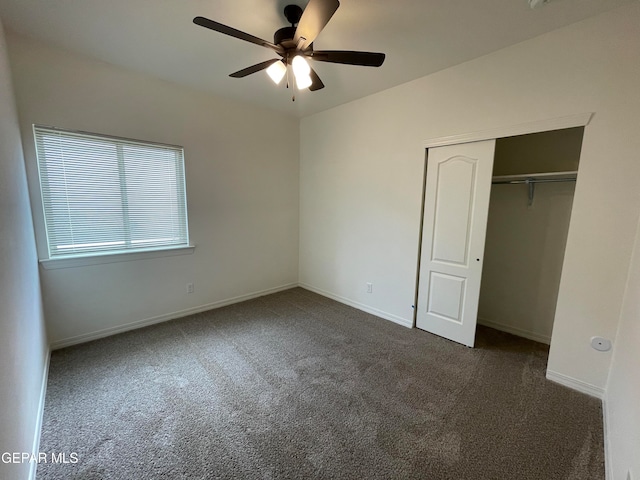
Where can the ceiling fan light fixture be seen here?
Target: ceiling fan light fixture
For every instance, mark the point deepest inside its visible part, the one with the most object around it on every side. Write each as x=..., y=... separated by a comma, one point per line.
x=300, y=67
x=303, y=81
x=277, y=71
x=294, y=45
x=302, y=72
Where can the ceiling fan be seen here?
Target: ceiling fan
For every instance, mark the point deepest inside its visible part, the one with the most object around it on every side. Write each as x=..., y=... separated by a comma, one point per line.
x=294, y=45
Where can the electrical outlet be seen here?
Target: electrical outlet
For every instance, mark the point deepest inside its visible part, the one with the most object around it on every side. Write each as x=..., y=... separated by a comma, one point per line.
x=189, y=287
x=369, y=287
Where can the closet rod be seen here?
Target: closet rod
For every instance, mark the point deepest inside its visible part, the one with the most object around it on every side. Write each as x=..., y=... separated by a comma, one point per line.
x=533, y=180
x=530, y=182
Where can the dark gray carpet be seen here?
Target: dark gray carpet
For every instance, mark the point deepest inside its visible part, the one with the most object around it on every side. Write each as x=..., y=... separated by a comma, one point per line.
x=294, y=385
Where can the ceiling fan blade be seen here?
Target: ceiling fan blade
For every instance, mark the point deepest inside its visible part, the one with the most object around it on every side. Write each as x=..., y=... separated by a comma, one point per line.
x=314, y=18
x=254, y=68
x=365, y=59
x=316, y=83
x=232, y=32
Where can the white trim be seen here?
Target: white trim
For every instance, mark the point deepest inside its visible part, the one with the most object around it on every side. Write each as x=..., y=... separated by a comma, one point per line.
x=53, y=263
x=38, y=430
x=87, y=337
x=608, y=465
x=570, y=121
x=576, y=384
x=360, y=306
x=537, y=337
x=134, y=141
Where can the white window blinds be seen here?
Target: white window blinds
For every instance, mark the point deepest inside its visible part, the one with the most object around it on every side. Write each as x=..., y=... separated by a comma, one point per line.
x=110, y=195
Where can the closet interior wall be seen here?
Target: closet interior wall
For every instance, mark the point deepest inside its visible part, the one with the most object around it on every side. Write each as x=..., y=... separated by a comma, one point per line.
x=525, y=244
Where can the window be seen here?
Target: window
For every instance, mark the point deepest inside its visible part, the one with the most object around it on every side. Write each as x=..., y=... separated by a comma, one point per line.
x=104, y=195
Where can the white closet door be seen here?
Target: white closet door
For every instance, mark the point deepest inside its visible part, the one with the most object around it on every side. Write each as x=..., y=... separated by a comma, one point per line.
x=456, y=206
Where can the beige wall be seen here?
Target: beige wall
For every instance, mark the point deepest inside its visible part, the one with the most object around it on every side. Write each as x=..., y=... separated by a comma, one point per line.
x=242, y=191
x=23, y=343
x=623, y=391
x=362, y=168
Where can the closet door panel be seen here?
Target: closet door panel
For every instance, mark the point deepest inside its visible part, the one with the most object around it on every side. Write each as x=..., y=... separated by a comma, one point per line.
x=453, y=206
x=446, y=296
x=457, y=191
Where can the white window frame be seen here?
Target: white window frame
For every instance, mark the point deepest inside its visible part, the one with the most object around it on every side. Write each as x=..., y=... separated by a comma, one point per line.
x=110, y=256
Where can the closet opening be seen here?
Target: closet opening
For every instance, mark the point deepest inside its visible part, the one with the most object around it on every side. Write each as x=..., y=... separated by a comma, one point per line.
x=533, y=184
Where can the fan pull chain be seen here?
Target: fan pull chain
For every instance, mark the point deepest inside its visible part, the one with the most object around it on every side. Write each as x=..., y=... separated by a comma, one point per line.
x=293, y=87
x=287, y=65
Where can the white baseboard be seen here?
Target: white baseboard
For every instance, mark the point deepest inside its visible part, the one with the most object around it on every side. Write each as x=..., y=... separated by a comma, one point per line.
x=87, y=337
x=360, y=306
x=576, y=384
x=38, y=430
x=538, y=337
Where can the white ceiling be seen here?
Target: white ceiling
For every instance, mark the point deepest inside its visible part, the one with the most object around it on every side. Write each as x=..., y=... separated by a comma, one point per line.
x=158, y=37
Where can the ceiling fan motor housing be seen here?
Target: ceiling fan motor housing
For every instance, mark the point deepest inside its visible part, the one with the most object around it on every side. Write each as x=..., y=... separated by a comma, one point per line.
x=284, y=34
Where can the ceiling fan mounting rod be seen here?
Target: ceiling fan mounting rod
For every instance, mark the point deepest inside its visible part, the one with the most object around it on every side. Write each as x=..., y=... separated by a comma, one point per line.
x=293, y=13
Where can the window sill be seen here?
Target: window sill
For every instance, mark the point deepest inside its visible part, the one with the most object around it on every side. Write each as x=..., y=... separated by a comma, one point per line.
x=51, y=264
